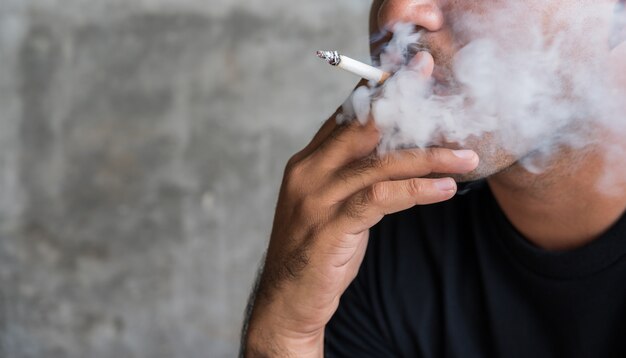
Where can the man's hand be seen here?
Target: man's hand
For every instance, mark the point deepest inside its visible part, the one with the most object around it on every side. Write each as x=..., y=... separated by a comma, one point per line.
x=333, y=192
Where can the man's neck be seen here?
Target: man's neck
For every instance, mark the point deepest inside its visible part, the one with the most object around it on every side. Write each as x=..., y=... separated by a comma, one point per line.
x=564, y=207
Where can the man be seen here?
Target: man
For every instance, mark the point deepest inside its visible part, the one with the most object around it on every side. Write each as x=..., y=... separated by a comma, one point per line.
x=524, y=265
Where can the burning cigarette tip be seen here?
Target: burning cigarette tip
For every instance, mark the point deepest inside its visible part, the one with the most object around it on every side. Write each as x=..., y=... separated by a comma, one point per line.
x=332, y=57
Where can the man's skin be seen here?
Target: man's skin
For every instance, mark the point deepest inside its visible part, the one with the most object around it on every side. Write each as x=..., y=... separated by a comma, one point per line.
x=337, y=188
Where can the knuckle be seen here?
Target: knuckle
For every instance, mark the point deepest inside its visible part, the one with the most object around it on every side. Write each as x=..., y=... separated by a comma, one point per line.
x=295, y=169
x=294, y=178
x=433, y=155
x=415, y=187
x=378, y=193
x=292, y=162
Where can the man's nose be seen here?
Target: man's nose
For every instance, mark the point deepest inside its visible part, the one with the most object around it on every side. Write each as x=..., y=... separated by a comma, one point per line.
x=424, y=14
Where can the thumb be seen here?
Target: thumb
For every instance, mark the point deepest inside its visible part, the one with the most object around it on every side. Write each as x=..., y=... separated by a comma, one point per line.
x=423, y=63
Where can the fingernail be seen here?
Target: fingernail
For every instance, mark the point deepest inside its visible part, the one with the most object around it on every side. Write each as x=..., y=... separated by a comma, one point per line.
x=446, y=184
x=464, y=154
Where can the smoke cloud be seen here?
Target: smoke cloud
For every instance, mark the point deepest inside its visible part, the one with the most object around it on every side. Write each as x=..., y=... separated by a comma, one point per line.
x=531, y=85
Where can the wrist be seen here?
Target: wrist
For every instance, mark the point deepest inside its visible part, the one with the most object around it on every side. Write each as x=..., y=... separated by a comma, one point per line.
x=267, y=337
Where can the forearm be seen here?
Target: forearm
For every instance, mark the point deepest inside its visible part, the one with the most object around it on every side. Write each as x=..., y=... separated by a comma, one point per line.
x=260, y=338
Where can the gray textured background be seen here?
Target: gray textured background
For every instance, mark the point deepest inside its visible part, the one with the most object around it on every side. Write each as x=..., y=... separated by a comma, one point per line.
x=141, y=148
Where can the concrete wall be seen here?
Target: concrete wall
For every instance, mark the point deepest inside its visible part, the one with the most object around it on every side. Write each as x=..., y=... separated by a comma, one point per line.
x=142, y=143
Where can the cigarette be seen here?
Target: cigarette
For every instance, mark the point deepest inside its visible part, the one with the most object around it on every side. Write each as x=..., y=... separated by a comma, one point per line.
x=353, y=66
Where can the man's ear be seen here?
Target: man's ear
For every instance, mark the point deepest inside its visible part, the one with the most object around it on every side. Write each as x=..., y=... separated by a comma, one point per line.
x=618, y=32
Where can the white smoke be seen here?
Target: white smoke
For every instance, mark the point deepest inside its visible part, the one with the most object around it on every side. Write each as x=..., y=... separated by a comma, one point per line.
x=533, y=88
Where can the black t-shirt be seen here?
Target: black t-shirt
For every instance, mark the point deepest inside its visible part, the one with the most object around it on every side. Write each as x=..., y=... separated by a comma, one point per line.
x=456, y=279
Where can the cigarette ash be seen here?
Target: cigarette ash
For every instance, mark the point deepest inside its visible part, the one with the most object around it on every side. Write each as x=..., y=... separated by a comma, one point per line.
x=332, y=57
x=521, y=88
